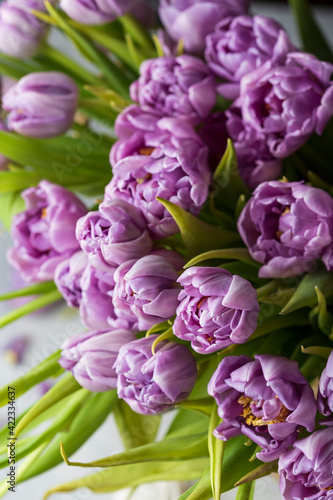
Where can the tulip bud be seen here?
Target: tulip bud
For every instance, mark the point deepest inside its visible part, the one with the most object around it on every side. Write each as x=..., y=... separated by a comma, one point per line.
x=41, y=104
x=90, y=356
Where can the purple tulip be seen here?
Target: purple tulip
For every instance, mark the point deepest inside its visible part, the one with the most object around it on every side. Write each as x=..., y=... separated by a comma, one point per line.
x=181, y=86
x=96, y=306
x=287, y=226
x=325, y=393
x=21, y=32
x=192, y=20
x=288, y=103
x=216, y=309
x=68, y=277
x=146, y=290
x=256, y=164
x=266, y=399
x=41, y=104
x=242, y=44
x=44, y=234
x=306, y=469
x=93, y=12
x=158, y=158
x=90, y=357
x=150, y=383
x=117, y=232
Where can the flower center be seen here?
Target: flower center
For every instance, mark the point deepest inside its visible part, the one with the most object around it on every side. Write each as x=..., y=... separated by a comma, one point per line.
x=146, y=151
x=280, y=233
x=251, y=419
x=44, y=213
x=147, y=177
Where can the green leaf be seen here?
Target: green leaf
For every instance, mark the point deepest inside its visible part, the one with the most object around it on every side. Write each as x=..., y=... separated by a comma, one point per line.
x=136, y=55
x=16, y=181
x=112, y=73
x=199, y=491
x=16, y=68
x=261, y=471
x=312, y=36
x=216, y=452
x=136, y=30
x=129, y=476
x=158, y=328
x=88, y=419
x=58, y=160
x=198, y=236
x=115, y=44
x=227, y=182
x=321, y=351
x=66, y=64
x=34, y=305
x=47, y=368
x=135, y=429
x=203, y=405
x=305, y=294
x=241, y=254
x=62, y=419
x=235, y=465
x=174, y=449
x=186, y=423
x=112, y=98
x=325, y=318
x=66, y=385
x=10, y=204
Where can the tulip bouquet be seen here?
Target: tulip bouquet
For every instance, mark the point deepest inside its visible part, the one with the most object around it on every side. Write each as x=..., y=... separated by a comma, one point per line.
x=172, y=183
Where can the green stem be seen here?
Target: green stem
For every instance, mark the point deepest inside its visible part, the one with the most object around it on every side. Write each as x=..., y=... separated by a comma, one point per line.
x=245, y=491
x=34, y=305
x=265, y=290
x=134, y=28
x=67, y=385
x=68, y=64
x=36, y=289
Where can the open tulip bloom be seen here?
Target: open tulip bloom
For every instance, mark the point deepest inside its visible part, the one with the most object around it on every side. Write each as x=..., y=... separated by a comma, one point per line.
x=172, y=184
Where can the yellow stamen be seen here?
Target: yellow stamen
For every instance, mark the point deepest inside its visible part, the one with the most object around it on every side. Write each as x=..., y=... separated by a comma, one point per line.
x=146, y=151
x=250, y=419
x=143, y=179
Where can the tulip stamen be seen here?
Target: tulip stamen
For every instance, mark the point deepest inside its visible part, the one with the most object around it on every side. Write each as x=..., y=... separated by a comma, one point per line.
x=143, y=179
x=251, y=419
x=146, y=151
x=44, y=213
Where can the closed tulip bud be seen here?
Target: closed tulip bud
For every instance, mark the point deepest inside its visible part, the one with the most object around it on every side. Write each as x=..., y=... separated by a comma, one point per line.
x=41, y=105
x=90, y=357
